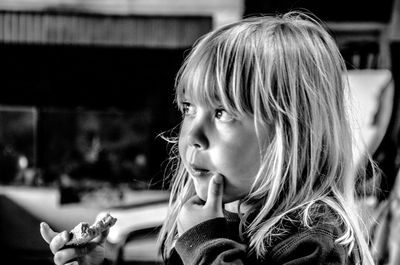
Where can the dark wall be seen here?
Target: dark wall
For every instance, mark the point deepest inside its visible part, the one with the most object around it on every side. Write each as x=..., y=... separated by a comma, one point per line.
x=338, y=10
x=93, y=78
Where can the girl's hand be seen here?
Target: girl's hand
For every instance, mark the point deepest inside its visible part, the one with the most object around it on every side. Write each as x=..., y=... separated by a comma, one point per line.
x=88, y=254
x=195, y=211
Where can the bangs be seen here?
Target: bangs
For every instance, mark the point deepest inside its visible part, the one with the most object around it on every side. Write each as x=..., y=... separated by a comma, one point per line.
x=211, y=76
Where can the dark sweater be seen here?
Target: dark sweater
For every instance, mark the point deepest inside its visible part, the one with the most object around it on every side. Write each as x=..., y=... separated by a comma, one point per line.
x=216, y=242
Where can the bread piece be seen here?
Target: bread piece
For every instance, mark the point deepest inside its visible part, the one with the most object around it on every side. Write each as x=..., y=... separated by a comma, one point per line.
x=83, y=233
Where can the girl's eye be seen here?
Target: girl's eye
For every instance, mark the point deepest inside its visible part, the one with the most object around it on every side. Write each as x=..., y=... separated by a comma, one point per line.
x=223, y=115
x=188, y=109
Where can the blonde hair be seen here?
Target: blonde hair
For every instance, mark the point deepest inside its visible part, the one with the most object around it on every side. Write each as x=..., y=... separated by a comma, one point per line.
x=286, y=71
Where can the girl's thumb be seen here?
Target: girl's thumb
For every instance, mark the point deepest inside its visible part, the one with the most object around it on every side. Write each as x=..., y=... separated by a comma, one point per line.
x=47, y=233
x=215, y=192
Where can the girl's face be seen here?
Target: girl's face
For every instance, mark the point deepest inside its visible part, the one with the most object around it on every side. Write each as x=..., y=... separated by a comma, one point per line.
x=212, y=141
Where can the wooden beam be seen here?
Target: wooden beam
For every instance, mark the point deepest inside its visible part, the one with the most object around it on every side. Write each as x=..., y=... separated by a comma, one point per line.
x=50, y=27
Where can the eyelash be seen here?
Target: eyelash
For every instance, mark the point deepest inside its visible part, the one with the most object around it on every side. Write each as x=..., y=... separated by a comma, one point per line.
x=185, y=109
x=219, y=113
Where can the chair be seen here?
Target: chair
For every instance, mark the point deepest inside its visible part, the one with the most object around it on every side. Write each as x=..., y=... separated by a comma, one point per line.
x=139, y=248
x=132, y=240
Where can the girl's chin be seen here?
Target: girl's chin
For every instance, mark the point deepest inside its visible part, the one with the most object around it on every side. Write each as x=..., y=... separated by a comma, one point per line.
x=202, y=193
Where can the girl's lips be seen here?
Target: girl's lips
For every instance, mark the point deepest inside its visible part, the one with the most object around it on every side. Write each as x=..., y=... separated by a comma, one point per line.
x=199, y=172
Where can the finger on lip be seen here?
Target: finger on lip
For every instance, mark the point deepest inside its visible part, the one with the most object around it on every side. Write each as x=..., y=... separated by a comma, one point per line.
x=218, y=179
x=215, y=192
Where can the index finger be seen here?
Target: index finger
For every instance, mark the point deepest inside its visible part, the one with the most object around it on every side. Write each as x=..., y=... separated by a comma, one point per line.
x=215, y=192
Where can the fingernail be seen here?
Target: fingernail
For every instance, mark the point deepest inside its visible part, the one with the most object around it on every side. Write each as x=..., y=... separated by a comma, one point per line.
x=218, y=179
x=43, y=225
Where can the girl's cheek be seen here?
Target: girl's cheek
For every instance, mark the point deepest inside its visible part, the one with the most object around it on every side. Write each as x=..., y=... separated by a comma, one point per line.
x=181, y=144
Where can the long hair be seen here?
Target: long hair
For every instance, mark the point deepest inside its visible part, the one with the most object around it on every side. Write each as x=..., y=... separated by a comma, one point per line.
x=287, y=72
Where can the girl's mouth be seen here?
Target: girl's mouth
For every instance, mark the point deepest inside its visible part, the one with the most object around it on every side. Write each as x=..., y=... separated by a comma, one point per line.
x=199, y=172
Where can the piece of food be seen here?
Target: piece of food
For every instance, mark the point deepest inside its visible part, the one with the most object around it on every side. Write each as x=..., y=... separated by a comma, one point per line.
x=83, y=232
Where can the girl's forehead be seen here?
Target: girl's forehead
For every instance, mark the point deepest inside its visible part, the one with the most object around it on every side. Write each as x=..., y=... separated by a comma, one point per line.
x=199, y=99
x=199, y=85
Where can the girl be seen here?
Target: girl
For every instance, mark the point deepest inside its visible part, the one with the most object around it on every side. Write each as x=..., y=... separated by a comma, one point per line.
x=264, y=173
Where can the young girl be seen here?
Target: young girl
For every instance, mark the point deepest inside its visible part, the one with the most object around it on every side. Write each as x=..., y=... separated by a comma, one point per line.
x=264, y=173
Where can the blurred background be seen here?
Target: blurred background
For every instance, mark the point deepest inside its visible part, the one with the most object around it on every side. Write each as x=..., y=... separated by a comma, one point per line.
x=87, y=91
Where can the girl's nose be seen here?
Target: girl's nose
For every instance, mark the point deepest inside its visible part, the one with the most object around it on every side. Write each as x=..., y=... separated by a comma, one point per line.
x=197, y=136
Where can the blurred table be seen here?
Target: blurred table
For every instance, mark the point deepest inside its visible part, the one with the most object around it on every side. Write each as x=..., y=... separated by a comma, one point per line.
x=43, y=203
x=20, y=240
x=23, y=208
